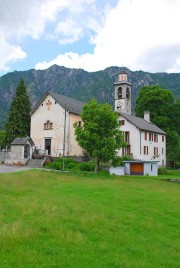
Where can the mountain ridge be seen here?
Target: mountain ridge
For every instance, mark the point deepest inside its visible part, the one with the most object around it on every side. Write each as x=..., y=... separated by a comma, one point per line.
x=79, y=84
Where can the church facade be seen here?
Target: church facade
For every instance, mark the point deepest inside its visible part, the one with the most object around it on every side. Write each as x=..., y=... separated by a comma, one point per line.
x=145, y=141
x=52, y=121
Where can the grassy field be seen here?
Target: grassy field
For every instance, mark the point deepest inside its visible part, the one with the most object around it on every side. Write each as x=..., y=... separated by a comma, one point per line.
x=49, y=219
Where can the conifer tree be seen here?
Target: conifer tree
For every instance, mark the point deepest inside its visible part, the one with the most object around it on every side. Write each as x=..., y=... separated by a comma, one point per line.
x=18, y=123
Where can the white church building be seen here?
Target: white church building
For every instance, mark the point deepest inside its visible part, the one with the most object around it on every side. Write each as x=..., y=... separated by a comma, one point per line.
x=145, y=141
x=52, y=125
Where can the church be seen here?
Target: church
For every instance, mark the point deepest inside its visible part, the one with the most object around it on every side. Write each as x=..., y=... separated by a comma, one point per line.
x=53, y=117
x=52, y=121
x=145, y=141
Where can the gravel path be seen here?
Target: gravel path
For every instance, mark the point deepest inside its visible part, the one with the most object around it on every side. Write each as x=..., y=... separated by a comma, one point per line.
x=8, y=169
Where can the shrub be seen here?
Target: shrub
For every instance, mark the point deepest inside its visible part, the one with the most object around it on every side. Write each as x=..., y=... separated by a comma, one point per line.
x=47, y=162
x=66, y=160
x=87, y=166
x=163, y=171
x=118, y=161
x=70, y=160
x=59, y=159
x=55, y=165
x=68, y=163
x=71, y=165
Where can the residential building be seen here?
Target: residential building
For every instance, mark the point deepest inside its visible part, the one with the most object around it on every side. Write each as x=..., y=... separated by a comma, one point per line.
x=145, y=141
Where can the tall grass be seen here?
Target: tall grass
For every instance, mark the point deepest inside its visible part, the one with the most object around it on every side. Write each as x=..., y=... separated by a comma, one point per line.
x=49, y=219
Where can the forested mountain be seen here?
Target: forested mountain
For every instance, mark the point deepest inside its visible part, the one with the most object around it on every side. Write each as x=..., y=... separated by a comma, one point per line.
x=79, y=84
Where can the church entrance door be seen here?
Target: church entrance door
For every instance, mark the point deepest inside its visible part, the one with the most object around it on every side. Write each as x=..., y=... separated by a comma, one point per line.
x=48, y=145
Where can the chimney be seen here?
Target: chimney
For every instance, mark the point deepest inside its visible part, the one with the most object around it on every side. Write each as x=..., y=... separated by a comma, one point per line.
x=147, y=116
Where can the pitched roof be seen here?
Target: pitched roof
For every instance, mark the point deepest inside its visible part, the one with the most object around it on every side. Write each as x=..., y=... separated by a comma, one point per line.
x=142, y=124
x=22, y=141
x=72, y=105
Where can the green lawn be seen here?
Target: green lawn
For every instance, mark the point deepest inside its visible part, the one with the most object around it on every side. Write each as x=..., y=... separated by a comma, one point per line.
x=49, y=219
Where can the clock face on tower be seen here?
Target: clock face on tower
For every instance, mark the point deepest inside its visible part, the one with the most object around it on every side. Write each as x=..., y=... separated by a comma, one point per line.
x=120, y=104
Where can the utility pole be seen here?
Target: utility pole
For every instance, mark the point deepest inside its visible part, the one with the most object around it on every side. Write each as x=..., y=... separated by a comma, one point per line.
x=64, y=141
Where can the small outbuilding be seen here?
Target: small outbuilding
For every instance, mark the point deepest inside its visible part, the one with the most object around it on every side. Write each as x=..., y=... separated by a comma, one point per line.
x=133, y=167
x=22, y=148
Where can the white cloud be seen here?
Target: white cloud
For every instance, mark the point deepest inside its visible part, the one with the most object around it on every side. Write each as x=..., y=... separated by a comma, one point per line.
x=71, y=60
x=9, y=54
x=138, y=34
x=75, y=19
x=64, y=28
x=20, y=19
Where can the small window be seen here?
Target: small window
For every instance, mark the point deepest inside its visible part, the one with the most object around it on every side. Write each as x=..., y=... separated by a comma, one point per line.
x=48, y=125
x=162, y=150
x=151, y=167
x=145, y=136
x=127, y=136
x=150, y=136
x=126, y=150
x=145, y=150
x=122, y=122
x=155, y=151
x=155, y=138
x=162, y=138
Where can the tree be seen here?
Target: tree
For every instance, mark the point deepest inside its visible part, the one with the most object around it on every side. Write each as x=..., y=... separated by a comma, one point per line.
x=99, y=134
x=18, y=123
x=156, y=100
x=165, y=113
x=2, y=137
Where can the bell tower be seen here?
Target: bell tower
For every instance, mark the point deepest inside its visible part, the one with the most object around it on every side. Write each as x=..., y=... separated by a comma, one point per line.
x=122, y=94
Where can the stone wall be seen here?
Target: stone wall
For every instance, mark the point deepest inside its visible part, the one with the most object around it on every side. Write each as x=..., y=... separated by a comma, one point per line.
x=4, y=154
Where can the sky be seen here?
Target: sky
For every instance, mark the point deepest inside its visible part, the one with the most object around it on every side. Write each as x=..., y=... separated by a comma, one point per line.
x=90, y=34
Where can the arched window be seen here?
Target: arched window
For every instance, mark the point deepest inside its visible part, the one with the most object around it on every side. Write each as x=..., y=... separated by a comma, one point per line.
x=127, y=92
x=119, y=92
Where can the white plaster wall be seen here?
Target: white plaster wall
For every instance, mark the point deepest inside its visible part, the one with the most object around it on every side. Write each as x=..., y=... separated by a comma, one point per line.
x=138, y=150
x=116, y=170
x=74, y=148
x=56, y=115
x=148, y=171
x=17, y=152
x=134, y=138
x=151, y=145
x=127, y=169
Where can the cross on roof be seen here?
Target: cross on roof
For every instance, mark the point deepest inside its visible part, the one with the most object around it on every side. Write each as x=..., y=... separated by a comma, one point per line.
x=48, y=104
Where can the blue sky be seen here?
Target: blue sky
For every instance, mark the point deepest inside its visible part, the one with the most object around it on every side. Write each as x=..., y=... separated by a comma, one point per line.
x=90, y=34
